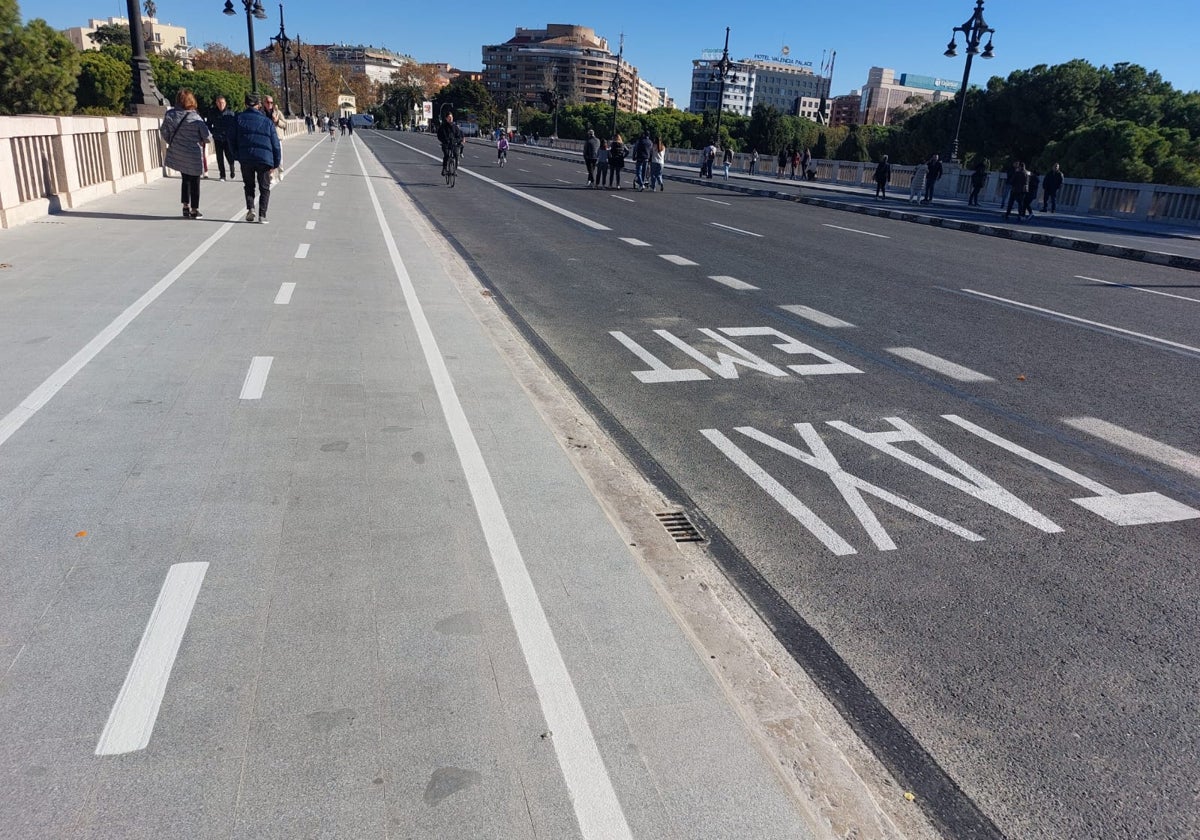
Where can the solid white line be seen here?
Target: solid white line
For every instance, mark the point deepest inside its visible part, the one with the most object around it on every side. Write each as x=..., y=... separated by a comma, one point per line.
x=316, y=205
x=817, y=317
x=320, y=193
x=855, y=230
x=1085, y=321
x=302, y=251
x=575, y=217
x=678, y=260
x=324, y=183
x=939, y=365
x=131, y=721
x=256, y=377
x=713, y=201
x=622, y=198
x=1137, y=288
x=588, y=784
x=561, y=181
x=637, y=242
x=733, y=283
x=310, y=225
x=736, y=230
x=523, y=170
x=1134, y=442
x=284, y=297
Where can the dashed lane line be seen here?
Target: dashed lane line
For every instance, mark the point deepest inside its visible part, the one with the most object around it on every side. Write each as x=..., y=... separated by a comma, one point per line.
x=256, y=378
x=284, y=297
x=856, y=230
x=733, y=283
x=817, y=317
x=677, y=260
x=713, y=201
x=737, y=230
x=937, y=364
x=635, y=242
x=302, y=251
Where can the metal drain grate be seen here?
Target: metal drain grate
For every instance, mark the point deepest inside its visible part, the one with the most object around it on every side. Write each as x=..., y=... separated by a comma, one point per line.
x=679, y=526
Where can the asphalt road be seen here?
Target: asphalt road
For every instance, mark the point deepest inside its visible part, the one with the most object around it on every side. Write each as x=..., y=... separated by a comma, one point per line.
x=963, y=472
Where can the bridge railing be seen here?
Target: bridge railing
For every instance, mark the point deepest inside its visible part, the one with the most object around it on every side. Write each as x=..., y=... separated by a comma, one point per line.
x=60, y=163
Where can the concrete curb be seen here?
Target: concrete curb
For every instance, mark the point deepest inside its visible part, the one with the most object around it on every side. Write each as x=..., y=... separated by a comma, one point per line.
x=1050, y=240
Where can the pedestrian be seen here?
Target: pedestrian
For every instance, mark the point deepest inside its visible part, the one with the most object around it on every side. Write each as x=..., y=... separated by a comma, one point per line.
x=935, y=172
x=753, y=160
x=616, y=161
x=708, y=156
x=350, y=124
x=1008, y=177
x=727, y=161
x=794, y=161
x=255, y=143
x=324, y=123
x=219, y=119
x=591, y=151
x=807, y=169
x=978, y=179
x=1017, y=185
x=883, y=176
x=1051, y=184
x=1031, y=189
x=309, y=123
x=658, y=160
x=186, y=136
x=332, y=127
x=782, y=162
x=642, y=150
x=602, y=165
x=276, y=117
x=916, y=188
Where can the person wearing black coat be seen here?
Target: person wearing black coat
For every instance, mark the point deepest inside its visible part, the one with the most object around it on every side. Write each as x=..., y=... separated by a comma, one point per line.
x=1018, y=182
x=1051, y=184
x=220, y=118
x=931, y=179
x=883, y=176
x=1031, y=189
x=255, y=143
x=978, y=179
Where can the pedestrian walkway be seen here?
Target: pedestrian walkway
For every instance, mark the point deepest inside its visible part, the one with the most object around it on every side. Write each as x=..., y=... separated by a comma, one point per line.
x=287, y=549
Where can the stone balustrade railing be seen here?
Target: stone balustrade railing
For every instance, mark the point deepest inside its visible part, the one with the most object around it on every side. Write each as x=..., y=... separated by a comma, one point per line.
x=49, y=164
x=1083, y=196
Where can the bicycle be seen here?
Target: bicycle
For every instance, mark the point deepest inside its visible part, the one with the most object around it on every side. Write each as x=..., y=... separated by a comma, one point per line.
x=450, y=170
x=501, y=157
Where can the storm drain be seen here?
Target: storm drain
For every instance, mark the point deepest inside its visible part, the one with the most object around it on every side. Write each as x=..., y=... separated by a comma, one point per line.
x=679, y=526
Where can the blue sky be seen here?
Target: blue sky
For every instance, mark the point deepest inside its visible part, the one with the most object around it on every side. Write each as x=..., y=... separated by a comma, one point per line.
x=661, y=39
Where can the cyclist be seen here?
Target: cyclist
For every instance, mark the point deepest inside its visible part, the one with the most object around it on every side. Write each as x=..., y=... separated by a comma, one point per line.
x=502, y=149
x=451, y=138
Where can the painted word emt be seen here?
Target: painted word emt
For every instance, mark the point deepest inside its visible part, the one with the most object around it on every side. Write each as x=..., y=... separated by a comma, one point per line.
x=725, y=364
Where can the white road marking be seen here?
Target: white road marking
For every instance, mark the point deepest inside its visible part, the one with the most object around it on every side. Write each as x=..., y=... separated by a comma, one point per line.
x=310, y=225
x=588, y=784
x=659, y=371
x=320, y=193
x=1066, y=317
x=725, y=365
x=284, y=297
x=793, y=347
x=561, y=181
x=856, y=230
x=43, y=393
x=256, y=377
x=316, y=205
x=937, y=364
x=324, y=183
x=713, y=201
x=302, y=251
x=575, y=217
x=1134, y=442
x=1137, y=288
x=736, y=230
x=1119, y=508
x=622, y=198
x=131, y=721
x=733, y=283
x=522, y=170
x=816, y=317
x=677, y=260
x=637, y=242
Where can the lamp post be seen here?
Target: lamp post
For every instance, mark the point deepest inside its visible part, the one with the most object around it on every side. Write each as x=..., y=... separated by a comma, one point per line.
x=720, y=72
x=298, y=62
x=973, y=31
x=284, y=43
x=145, y=99
x=254, y=9
x=616, y=82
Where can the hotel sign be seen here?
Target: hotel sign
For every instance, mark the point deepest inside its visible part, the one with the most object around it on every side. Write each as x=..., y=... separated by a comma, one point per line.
x=782, y=59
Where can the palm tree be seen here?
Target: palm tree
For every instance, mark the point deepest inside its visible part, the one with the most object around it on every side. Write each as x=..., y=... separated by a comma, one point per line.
x=151, y=8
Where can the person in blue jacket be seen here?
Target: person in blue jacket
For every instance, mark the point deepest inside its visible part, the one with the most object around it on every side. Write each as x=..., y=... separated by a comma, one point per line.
x=255, y=143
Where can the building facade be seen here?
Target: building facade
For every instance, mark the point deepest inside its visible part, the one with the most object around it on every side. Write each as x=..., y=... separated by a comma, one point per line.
x=844, y=110
x=570, y=59
x=885, y=97
x=707, y=95
x=161, y=38
x=790, y=87
x=376, y=63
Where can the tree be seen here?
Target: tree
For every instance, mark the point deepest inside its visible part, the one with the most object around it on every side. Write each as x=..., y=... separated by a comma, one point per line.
x=110, y=33
x=854, y=146
x=39, y=70
x=104, y=84
x=151, y=8
x=466, y=97
x=766, y=131
x=214, y=56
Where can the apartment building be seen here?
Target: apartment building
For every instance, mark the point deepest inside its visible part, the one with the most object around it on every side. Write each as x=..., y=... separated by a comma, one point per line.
x=790, y=87
x=161, y=38
x=885, y=94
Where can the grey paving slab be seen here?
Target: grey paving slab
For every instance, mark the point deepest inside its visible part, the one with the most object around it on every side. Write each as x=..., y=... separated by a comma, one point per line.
x=44, y=785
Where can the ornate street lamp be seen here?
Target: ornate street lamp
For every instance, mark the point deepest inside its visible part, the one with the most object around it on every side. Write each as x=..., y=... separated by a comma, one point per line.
x=616, y=83
x=145, y=99
x=720, y=72
x=284, y=43
x=298, y=62
x=254, y=9
x=973, y=31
